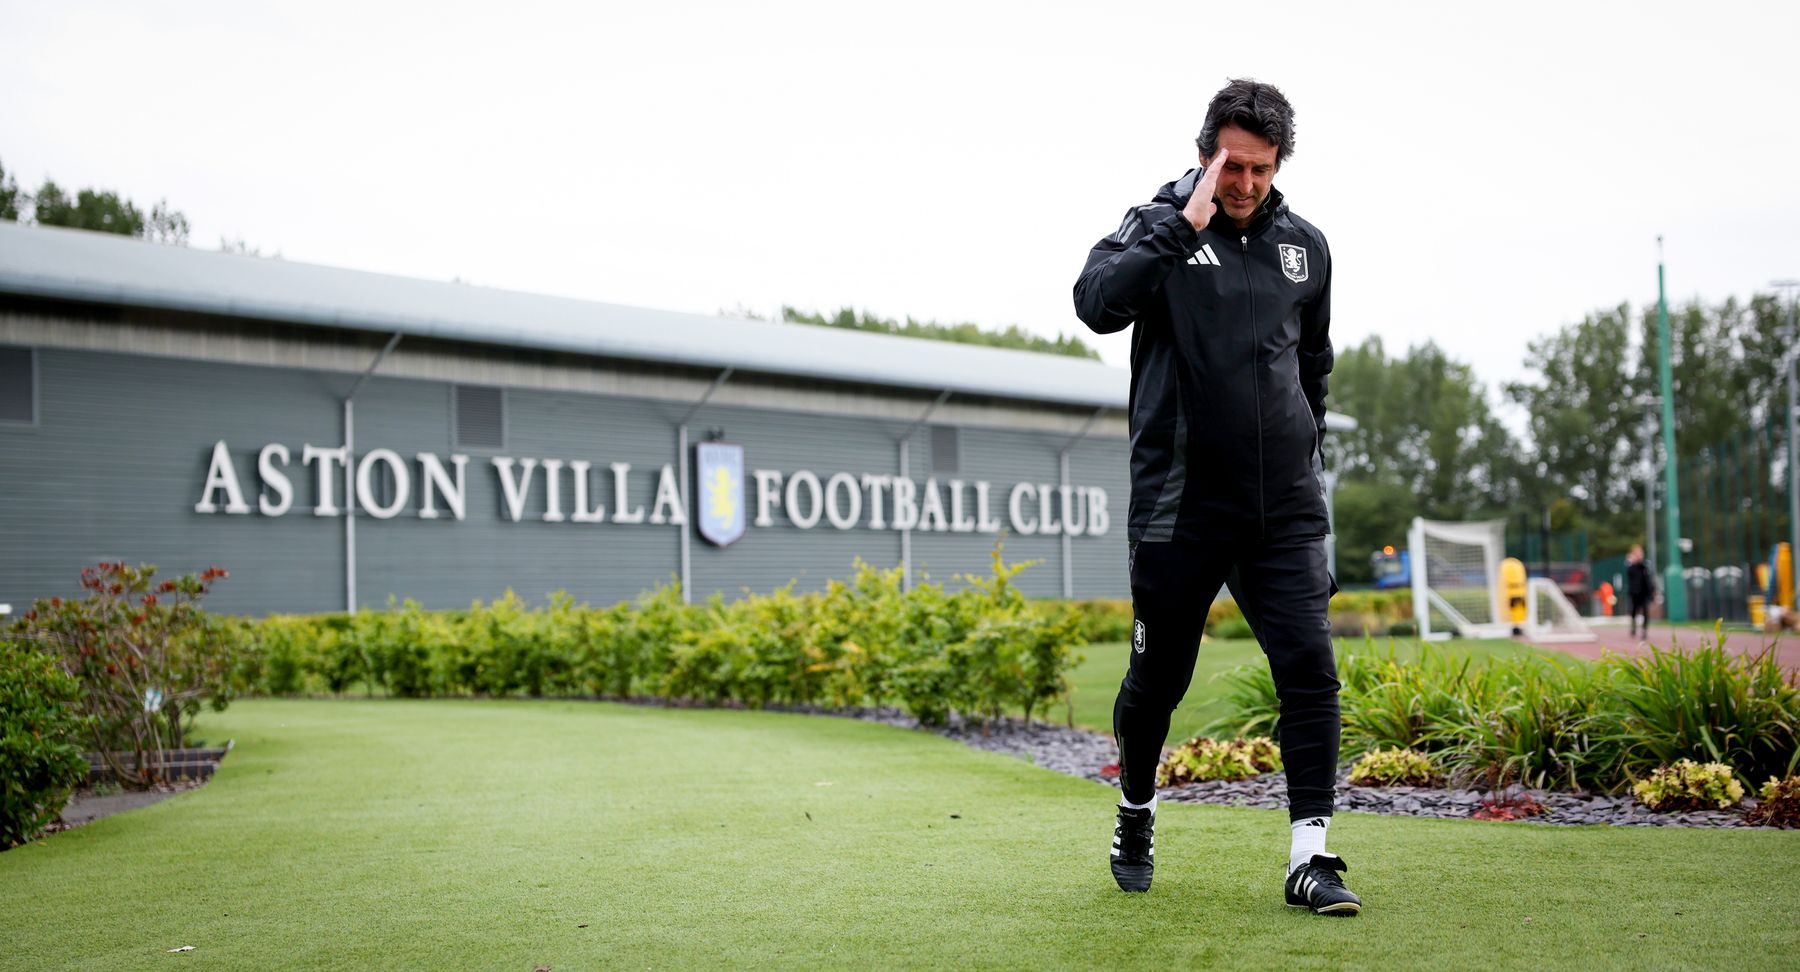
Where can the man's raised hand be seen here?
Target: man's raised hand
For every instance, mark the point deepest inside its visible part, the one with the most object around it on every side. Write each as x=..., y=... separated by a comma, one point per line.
x=1200, y=206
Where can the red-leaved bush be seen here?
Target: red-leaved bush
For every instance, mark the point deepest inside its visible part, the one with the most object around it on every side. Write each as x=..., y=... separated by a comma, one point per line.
x=147, y=658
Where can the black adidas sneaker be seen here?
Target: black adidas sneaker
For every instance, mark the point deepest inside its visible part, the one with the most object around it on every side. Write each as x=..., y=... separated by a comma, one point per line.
x=1316, y=885
x=1134, y=849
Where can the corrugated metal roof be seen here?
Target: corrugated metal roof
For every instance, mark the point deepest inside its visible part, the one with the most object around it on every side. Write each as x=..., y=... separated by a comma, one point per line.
x=42, y=261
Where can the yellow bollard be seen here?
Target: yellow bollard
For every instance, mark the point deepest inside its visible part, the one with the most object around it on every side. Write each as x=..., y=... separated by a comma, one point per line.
x=1512, y=590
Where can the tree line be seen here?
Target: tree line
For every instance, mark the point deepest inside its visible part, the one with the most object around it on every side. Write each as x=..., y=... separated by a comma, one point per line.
x=1429, y=442
x=102, y=211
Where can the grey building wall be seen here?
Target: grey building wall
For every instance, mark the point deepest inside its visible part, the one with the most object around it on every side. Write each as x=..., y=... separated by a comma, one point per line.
x=115, y=462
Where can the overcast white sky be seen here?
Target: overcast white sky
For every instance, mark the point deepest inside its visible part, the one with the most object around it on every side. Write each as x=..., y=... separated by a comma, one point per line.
x=1485, y=173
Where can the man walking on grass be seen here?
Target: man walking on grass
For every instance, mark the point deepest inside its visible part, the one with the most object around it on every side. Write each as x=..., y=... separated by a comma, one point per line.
x=1230, y=295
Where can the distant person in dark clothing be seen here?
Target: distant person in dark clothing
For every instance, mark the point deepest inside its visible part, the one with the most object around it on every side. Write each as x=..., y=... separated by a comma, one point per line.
x=1640, y=588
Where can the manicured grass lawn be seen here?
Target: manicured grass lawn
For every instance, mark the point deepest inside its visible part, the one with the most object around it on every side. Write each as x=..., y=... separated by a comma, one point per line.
x=1096, y=680
x=483, y=835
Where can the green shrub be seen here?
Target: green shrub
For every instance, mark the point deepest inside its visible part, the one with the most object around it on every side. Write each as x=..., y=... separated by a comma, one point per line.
x=1706, y=705
x=982, y=649
x=1404, y=628
x=1232, y=629
x=1391, y=704
x=1250, y=701
x=40, y=762
x=1202, y=758
x=1103, y=619
x=1532, y=726
x=1554, y=722
x=1688, y=785
x=146, y=656
x=1221, y=611
x=1394, y=767
x=1780, y=803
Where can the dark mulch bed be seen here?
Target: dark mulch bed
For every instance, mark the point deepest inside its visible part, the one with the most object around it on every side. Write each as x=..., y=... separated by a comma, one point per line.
x=1088, y=755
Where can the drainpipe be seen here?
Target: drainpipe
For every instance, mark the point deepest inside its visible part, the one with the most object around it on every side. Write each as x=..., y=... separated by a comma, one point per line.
x=905, y=440
x=350, y=476
x=1062, y=462
x=687, y=506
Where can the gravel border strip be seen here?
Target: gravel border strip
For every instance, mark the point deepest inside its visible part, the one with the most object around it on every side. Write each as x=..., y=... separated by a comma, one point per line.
x=1080, y=753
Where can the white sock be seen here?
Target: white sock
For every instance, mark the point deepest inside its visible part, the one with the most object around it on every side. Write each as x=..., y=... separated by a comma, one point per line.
x=1309, y=839
x=1127, y=804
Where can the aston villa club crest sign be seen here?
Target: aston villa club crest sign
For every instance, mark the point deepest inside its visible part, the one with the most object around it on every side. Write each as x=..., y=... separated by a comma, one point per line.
x=1293, y=262
x=719, y=493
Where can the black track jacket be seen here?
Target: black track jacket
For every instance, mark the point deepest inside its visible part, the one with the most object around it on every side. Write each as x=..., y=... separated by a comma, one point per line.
x=1228, y=366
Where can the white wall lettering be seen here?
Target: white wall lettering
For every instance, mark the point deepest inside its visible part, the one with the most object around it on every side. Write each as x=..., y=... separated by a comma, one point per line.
x=515, y=489
x=273, y=478
x=906, y=503
x=434, y=479
x=931, y=508
x=843, y=516
x=1015, y=509
x=365, y=492
x=1098, y=521
x=875, y=484
x=1048, y=524
x=582, y=514
x=984, y=522
x=553, y=512
x=221, y=474
x=768, y=495
x=668, y=497
x=1074, y=510
x=893, y=502
x=620, y=471
x=959, y=521
x=325, y=458
x=813, y=503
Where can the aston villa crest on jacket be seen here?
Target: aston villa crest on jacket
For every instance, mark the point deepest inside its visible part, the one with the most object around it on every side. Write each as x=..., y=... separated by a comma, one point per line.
x=719, y=475
x=1293, y=262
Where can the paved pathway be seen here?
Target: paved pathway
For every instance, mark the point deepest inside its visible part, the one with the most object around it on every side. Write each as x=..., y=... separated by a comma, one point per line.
x=1617, y=638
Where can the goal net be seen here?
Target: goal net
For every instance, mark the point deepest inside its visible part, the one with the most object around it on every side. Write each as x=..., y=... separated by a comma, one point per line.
x=1549, y=616
x=1456, y=578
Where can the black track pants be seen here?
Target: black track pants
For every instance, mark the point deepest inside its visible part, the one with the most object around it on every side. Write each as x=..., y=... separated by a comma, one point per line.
x=1283, y=588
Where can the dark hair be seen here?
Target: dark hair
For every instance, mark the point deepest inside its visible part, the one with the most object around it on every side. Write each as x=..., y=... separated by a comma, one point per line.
x=1255, y=107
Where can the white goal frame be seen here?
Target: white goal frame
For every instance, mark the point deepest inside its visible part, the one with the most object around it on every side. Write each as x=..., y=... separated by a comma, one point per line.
x=1564, y=623
x=1549, y=616
x=1489, y=542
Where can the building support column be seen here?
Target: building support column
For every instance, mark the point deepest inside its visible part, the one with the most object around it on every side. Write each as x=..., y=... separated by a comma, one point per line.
x=687, y=504
x=905, y=440
x=1062, y=464
x=350, y=475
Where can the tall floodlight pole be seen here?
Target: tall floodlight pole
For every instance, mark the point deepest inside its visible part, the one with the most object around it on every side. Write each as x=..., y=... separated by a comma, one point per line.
x=1674, y=581
x=1649, y=402
x=1793, y=464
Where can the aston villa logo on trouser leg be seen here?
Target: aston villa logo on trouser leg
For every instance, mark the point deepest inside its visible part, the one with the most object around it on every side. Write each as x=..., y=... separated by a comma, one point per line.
x=719, y=492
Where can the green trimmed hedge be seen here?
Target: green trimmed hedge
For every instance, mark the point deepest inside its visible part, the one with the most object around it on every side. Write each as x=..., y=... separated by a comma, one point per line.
x=980, y=650
x=1353, y=614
